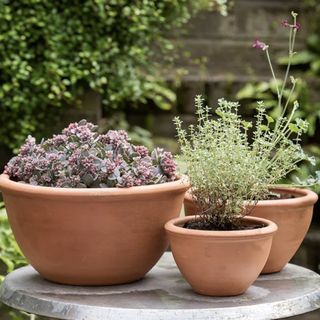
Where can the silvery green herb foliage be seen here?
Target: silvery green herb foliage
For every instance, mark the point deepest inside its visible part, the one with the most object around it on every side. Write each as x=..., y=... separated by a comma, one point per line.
x=80, y=157
x=232, y=162
x=227, y=169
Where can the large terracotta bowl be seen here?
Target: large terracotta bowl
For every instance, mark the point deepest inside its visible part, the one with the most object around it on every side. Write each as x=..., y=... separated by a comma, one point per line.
x=292, y=216
x=221, y=263
x=92, y=236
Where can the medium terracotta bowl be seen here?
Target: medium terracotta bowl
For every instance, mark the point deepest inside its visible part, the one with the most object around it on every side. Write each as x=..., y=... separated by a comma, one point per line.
x=292, y=216
x=220, y=263
x=92, y=236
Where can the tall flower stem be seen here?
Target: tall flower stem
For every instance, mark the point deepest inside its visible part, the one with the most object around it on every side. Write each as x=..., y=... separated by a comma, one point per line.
x=292, y=37
x=272, y=72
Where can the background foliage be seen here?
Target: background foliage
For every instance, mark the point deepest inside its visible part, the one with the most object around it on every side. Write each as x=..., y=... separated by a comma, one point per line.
x=52, y=51
x=10, y=254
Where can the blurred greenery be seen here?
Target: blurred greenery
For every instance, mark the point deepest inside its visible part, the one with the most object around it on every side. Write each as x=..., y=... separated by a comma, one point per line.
x=137, y=134
x=51, y=52
x=11, y=258
x=266, y=91
x=10, y=254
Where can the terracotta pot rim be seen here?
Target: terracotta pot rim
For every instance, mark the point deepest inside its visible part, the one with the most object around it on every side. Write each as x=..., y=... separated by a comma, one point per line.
x=270, y=227
x=306, y=197
x=11, y=186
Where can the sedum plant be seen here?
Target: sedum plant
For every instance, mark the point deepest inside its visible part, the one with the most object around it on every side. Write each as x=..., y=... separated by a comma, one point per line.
x=80, y=157
x=231, y=162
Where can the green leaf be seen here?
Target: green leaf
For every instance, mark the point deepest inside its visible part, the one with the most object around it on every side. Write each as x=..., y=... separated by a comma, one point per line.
x=246, y=124
x=315, y=66
x=313, y=42
x=263, y=86
x=300, y=58
x=220, y=113
x=293, y=128
x=247, y=92
x=263, y=127
x=269, y=119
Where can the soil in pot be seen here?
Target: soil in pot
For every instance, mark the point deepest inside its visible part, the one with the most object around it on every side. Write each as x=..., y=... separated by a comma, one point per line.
x=280, y=196
x=200, y=224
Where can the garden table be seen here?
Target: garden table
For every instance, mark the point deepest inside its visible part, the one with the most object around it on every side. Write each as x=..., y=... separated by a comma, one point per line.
x=163, y=295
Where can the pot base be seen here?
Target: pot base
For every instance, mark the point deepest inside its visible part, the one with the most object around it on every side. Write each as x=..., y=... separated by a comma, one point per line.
x=92, y=283
x=218, y=293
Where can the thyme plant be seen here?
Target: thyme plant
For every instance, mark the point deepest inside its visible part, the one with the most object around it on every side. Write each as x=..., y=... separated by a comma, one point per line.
x=231, y=162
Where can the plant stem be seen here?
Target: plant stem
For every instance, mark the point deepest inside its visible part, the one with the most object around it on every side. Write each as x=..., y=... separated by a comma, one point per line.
x=291, y=44
x=272, y=72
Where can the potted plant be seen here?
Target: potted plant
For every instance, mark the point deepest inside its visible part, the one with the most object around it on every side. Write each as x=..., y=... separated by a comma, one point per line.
x=220, y=251
x=277, y=146
x=89, y=208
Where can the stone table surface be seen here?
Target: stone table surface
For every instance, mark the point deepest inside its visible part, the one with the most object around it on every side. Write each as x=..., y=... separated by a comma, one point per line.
x=163, y=295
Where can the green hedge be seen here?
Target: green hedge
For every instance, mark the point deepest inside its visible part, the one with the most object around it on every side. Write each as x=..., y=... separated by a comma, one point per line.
x=51, y=51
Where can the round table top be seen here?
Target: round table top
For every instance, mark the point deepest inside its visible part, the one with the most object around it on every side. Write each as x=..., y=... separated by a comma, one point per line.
x=163, y=295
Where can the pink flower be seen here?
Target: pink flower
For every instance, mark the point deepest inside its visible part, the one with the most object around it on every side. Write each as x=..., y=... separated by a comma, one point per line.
x=108, y=160
x=141, y=150
x=297, y=26
x=260, y=45
x=286, y=24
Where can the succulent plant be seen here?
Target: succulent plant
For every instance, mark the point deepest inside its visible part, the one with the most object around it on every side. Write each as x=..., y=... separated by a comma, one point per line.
x=80, y=157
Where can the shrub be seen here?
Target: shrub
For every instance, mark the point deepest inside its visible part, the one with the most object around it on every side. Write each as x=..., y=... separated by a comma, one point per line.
x=51, y=51
x=226, y=169
x=79, y=157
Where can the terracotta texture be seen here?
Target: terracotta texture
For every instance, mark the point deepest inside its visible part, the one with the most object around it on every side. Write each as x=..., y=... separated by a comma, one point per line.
x=92, y=236
x=220, y=263
x=292, y=216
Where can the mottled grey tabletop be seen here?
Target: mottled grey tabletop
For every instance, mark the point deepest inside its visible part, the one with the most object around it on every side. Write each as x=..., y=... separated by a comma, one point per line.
x=163, y=295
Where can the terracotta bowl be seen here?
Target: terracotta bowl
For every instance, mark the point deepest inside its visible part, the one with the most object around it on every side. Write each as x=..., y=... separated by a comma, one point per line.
x=292, y=216
x=92, y=236
x=220, y=263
